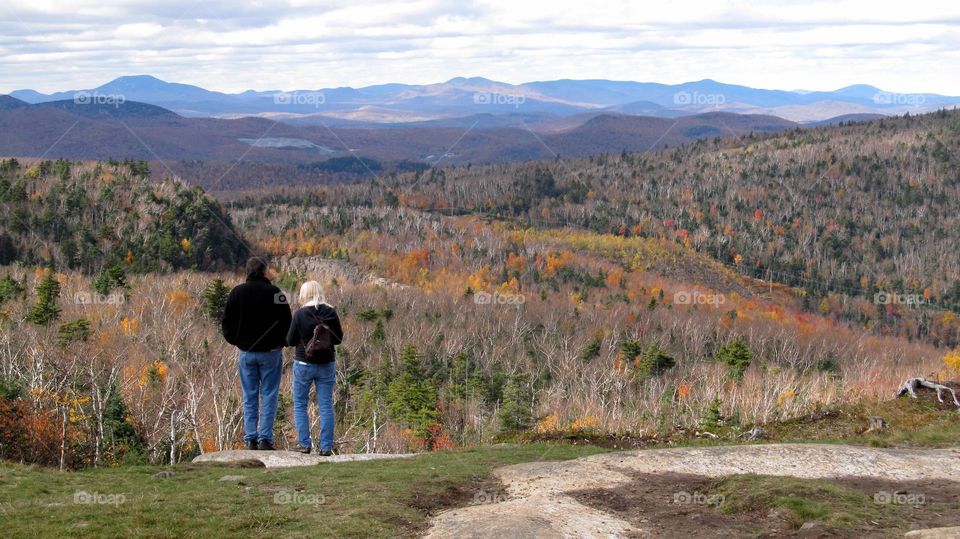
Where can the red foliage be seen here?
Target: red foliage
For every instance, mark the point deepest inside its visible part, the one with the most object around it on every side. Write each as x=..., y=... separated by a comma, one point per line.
x=31, y=436
x=438, y=439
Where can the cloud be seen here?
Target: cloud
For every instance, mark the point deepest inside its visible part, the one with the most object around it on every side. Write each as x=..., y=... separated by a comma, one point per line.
x=228, y=46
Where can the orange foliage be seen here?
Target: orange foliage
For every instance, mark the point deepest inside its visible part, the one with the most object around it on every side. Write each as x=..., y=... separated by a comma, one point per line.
x=587, y=423
x=515, y=263
x=129, y=326
x=614, y=278
x=548, y=424
x=179, y=299
x=557, y=261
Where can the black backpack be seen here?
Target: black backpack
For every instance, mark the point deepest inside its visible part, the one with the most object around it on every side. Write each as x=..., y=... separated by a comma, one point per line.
x=320, y=346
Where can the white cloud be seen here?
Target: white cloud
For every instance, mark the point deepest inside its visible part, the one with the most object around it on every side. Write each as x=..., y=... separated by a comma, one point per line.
x=222, y=45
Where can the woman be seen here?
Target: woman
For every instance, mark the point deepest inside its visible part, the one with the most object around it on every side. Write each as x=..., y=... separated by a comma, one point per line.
x=318, y=367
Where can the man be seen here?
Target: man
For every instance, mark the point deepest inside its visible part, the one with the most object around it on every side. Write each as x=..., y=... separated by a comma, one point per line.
x=256, y=320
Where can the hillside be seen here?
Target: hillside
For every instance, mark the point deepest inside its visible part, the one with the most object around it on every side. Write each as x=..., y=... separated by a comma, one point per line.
x=89, y=216
x=857, y=216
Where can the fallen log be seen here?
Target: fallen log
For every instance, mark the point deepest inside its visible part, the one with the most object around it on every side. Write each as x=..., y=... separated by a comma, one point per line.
x=910, y=388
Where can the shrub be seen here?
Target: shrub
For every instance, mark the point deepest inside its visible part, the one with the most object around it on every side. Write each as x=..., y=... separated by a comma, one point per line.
x=736, y=355
x=75, y=330
x=714, y=418
x=654, y=362
x=590, y=351
x=368, y=315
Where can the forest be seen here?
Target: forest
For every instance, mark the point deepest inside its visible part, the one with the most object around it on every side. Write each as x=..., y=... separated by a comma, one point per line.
x=730, y=282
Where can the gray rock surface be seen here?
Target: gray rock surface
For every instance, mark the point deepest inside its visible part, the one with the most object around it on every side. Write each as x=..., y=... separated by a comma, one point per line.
x=288, y=459
x=233, y=478
x=935, y=533
x=538, y=504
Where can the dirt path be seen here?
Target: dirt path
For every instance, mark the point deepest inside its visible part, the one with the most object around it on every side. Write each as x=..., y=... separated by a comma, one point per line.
x=539, y=502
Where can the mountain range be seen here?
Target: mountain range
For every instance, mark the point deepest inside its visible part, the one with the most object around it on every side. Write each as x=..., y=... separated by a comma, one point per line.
x=134, y=130
x=407, y=104
x=315, y=136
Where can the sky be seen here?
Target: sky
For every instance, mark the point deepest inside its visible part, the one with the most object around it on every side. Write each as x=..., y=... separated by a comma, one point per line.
x=231, y=46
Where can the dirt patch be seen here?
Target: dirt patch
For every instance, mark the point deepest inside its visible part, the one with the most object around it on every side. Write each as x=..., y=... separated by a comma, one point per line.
x=685, y=505
x=432, y=497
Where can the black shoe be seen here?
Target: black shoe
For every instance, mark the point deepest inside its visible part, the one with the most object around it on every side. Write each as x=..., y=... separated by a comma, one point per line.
x=325, y=453
x=304, y=450
x=251, y=445
x=265, y=445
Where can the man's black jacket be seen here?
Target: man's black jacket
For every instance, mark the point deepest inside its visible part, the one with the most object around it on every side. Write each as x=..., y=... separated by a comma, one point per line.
x=257, y=316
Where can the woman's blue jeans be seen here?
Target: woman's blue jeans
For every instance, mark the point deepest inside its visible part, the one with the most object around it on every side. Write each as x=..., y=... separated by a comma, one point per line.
x=323, y=376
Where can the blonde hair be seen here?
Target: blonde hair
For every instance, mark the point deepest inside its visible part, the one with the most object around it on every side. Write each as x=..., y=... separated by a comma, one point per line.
x=312, y=291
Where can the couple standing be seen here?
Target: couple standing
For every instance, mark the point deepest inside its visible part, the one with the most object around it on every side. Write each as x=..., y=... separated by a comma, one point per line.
x=258, y=322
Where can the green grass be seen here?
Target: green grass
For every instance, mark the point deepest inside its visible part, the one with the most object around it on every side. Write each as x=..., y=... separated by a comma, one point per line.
x=801, y=500
x=365, y=499
x=396, y=497
x=912, y=423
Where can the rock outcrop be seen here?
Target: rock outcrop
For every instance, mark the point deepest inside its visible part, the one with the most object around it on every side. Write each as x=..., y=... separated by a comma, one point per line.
x=288, y=459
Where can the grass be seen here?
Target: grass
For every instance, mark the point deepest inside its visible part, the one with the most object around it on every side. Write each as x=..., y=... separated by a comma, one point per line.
x=911, y=423
x=396, y=497
x=392, y=498
x=799, y=500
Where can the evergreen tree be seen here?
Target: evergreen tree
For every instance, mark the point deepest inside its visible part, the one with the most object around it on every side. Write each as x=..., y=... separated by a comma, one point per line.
x=46, y=309
x=412, y=400
x=112, y=278
x=516, y=413
x=214, y=299
x=736, y=355
x=654, y=362
x=10, y=288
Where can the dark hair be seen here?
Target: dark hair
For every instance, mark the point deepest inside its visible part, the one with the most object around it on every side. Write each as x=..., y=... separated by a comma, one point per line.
x=256, y=267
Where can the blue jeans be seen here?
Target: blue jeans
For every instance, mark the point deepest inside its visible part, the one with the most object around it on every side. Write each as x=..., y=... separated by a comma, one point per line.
x=260, y=380
x=323, y=376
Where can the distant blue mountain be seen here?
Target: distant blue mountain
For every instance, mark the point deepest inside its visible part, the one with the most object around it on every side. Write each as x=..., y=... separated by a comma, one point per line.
x=466, y=97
